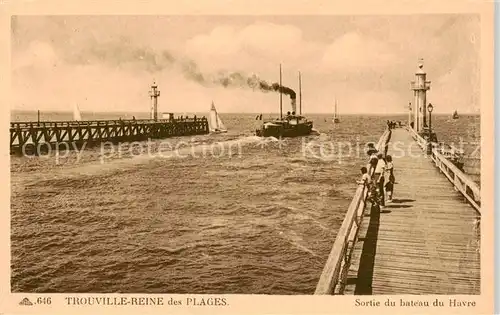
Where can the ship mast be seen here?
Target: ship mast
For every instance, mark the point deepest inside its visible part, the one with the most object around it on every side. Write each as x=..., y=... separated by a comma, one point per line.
x=281, y=97
x=300, y=96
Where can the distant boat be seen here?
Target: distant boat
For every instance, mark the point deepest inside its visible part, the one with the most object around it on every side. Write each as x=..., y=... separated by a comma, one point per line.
x=455, y=115
x=215, y=123
x=76, y=113
x=336, y=118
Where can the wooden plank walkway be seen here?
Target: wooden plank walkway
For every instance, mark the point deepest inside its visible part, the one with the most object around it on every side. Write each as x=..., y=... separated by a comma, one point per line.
x=425, y=242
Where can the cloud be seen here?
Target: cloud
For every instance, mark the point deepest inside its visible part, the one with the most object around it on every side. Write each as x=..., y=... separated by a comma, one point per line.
x=255, y=47
x=272, y=40
x=457, y=89
x=220, y=41
x=355, y=52
x=38, y=53
x=46, y=78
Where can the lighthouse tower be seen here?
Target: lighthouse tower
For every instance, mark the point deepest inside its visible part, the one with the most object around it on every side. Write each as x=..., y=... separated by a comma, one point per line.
x=153, y=94
x=419, y=88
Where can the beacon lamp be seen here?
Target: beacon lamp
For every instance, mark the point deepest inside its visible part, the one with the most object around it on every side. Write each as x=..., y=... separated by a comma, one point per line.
x=430, y=108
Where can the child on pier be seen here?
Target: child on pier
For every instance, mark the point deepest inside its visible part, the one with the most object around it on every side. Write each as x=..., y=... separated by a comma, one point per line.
x=366, y=180
x=365, y=177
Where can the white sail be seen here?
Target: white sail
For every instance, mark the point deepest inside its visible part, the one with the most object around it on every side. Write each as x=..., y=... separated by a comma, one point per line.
x=214, y=120
x=76, y=113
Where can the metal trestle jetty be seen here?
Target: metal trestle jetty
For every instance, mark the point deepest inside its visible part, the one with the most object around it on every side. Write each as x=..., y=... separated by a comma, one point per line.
x=38, y=136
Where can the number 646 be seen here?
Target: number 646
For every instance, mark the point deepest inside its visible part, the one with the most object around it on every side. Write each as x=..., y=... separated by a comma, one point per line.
x=43, y=300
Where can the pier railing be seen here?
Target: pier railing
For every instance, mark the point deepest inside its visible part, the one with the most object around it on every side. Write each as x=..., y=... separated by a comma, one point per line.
x=87, y=123
x=461, y=182
x=333, y=277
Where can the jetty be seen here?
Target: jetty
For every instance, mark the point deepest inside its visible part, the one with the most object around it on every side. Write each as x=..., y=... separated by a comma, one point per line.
x=427, y=241
x=38, y=136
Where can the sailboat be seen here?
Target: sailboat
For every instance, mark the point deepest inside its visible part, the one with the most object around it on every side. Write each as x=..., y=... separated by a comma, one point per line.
x=455, y=115
x=76, y=113
x=215, y=123
x=336, y=118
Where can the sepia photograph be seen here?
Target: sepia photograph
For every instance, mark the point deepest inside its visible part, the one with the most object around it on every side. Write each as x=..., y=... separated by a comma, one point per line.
x=241, y=154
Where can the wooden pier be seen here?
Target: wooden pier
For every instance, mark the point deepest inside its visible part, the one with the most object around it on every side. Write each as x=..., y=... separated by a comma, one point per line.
x=426, y=241
x=32, y=137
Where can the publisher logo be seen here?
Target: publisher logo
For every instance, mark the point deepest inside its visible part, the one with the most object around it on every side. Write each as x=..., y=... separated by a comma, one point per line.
x=25, y=302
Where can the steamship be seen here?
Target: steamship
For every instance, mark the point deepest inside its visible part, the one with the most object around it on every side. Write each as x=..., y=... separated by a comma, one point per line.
x=292, y=125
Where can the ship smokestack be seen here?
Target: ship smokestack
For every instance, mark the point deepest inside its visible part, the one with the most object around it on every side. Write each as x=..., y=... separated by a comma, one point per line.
x=294, y=104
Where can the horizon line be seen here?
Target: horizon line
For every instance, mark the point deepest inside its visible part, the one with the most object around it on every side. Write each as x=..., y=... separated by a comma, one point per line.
x=222, y=112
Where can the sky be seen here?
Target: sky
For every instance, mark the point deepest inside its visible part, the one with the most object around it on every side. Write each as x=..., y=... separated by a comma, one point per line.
x=366, y=63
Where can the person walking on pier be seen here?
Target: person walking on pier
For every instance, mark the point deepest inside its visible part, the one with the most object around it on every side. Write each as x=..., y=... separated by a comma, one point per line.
x=389, y=170
x=378, y=177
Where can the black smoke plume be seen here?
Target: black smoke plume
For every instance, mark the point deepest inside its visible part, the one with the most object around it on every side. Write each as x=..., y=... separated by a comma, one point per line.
x=237, y=79
x=123, y=53
x=277, y=88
